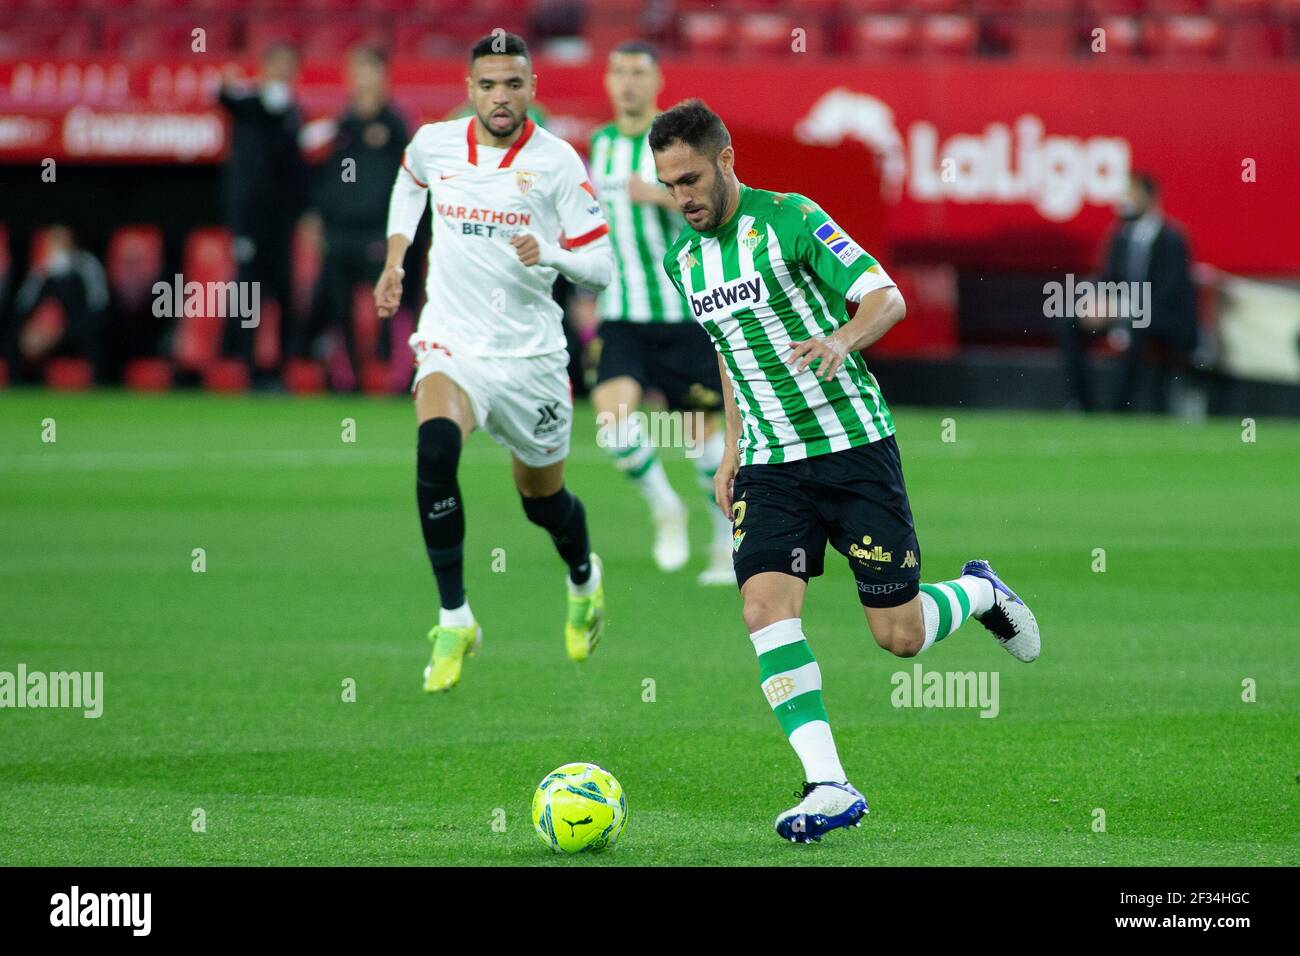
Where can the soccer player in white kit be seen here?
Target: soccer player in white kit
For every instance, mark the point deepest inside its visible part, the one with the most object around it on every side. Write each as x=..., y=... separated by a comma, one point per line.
x=512, y=208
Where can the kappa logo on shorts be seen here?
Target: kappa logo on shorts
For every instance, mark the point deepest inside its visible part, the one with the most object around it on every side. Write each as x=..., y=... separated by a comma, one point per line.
x=549, y=419
x=909, y=560
x=882, y=588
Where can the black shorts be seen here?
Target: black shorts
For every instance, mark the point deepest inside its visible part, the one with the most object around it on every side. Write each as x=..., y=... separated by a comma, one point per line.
x=784, y=514
x=678, y=358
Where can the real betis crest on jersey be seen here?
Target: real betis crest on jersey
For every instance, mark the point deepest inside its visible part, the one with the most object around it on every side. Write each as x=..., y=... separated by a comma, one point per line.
x=777, y=272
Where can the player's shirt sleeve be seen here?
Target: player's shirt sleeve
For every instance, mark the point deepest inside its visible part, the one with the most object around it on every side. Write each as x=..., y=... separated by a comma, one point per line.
x=409, y=197
x=672, y=271
x=581, y=218
x=413, y=165
x=831, y=252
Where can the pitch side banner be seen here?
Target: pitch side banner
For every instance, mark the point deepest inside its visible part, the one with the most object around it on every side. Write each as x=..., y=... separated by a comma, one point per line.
x=978, y=164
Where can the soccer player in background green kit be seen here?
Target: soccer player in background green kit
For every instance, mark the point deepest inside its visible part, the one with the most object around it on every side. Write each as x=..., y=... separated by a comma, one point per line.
x=647, y=337
x=810, y=452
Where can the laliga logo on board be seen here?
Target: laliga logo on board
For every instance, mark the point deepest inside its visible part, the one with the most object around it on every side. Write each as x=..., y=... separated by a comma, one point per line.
x=1007, y=164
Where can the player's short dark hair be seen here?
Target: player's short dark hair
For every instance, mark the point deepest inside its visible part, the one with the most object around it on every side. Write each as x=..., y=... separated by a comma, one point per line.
x=692, y=122
x=1147, y=183
x=500, y=43
x=637, y=46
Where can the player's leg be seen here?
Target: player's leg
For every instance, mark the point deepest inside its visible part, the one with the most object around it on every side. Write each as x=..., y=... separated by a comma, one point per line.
x=557, y=510
x=684, y=364
x=866, y=501
x=532, y=415
x=446, y=417
x=780, y=545
x=617, y=401
x=709, y=457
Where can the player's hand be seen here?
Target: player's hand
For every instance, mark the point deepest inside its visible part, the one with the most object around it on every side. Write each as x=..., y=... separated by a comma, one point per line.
x=526, y=248
x=828, y=349
x=724, y=476
x=388, y=291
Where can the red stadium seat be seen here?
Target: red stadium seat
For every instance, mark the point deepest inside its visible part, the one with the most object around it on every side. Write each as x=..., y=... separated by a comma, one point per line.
x=69, y=38
x=69, y=374
x=886, y=36
x=262, y=31
x=941, y=6
x=707, y=34
x=1095, y=9
x=207, y=257
x=226, y=376
x=1051, y=39
x=148, y=375
x=333, y=40
x=376, y=379
x=1176, y=7
x=1251, y=42
x=875, y=6
x=302, y=377
x=1243, y=8
x=1124, y=37
x=949, y=35
x=769, y=34
x=1190, y=39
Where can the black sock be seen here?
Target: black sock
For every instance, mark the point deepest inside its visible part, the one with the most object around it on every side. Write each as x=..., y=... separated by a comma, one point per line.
x=442, y=517
x=563, y=516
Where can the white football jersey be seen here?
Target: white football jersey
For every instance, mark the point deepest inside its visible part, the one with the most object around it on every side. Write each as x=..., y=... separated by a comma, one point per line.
x=480, y=297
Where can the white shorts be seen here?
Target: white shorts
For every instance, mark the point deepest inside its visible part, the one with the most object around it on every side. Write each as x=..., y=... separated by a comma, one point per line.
x=525, y=404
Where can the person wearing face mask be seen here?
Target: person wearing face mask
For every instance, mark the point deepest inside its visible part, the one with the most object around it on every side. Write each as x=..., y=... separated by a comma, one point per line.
x=72, y=280
x=264, y=193
x=1147, y=248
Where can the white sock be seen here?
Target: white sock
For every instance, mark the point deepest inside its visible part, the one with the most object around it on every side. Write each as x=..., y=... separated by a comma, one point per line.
x=816, y=749
x=706, y=466
x=636, y=458
x=940, y=621
x=792, y=682
x=588, y=587
x=455, y=617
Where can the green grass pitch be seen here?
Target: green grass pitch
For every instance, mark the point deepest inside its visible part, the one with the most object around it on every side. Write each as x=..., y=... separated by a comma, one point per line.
x=223, y=689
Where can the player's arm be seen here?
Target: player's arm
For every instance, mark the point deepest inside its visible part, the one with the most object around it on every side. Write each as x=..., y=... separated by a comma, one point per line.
x=852, y=272
x=586, y=257
x=406, y=207
x=730, y=465
x=590, y=265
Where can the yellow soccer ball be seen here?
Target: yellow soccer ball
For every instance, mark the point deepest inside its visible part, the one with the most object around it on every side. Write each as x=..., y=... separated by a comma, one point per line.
x=579, y=808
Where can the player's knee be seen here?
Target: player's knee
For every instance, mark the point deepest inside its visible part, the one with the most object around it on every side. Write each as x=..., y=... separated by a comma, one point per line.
x=760, y=610
x=901, y=638
x=438, y=449
x=551, y=511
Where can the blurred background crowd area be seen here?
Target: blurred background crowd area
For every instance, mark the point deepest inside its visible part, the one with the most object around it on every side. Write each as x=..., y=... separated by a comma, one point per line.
x=148, y=146
x=1172, y=30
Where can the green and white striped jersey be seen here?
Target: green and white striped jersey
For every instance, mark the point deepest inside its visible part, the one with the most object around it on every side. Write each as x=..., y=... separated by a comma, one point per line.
x=639, y=232
x=777, y=271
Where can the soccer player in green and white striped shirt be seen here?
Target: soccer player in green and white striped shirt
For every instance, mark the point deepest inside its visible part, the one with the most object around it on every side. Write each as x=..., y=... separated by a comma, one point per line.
x=647, y=337
x=811, y=456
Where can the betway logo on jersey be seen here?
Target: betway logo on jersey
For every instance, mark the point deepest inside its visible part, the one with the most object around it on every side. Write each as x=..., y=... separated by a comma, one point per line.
x=1008, y=163
x=744, y=293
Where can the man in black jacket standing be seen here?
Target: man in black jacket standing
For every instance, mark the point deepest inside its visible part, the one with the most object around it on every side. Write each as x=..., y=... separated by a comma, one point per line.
x=1145, y=247
x=351, y=198
x=265, y=191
